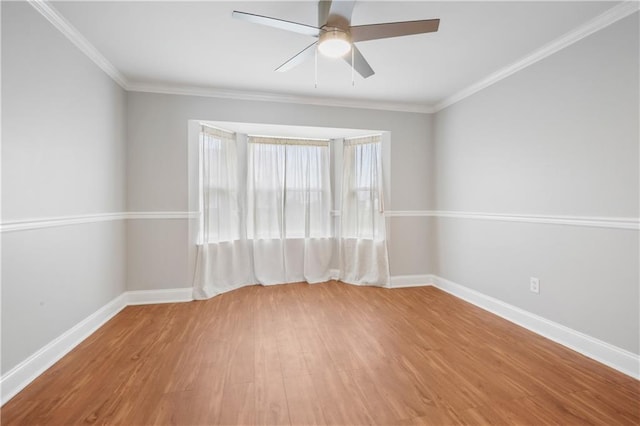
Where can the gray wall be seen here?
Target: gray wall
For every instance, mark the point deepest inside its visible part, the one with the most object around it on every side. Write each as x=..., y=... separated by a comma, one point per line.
x=63, y=154
x=158, y=176
x=557, y=138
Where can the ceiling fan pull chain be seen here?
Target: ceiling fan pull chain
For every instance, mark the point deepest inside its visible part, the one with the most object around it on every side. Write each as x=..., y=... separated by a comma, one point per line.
x=353, y=64
x=316, y=66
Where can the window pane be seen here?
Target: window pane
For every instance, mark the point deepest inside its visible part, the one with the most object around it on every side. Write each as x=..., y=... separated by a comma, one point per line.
x=361, y=201
x=290, y=194
x=218, y=189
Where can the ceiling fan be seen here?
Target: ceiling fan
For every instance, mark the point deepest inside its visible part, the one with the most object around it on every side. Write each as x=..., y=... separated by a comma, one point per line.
x=335, y=35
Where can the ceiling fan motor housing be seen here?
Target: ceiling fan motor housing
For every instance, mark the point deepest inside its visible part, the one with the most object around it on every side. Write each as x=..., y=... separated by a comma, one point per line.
x=334, y=42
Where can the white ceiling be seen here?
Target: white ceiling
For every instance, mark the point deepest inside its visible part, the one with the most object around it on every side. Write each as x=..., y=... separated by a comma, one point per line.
x=199, y=44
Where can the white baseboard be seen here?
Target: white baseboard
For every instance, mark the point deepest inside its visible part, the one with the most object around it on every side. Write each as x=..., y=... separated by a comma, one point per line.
x=28, y=370
x=150, y=297
x=24, y=373
x=403, y=281
x=334, y=274
x=613, y=356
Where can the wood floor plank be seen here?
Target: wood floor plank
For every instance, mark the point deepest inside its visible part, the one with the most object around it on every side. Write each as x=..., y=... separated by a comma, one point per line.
x=400, y=391
x=238, y=404
x=322, y=354
x=433, y=417
x=270, y=396
x=340, y=401
x=304, y=405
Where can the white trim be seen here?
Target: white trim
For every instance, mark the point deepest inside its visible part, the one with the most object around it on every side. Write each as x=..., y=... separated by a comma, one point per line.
x=632, y=223
x=151, y=297
x=605, y=19
x=69, y=31
x=602, y=21
x=162, y=215
x=334, y=274
x=49, y=222
x=28, y=370
x=409, y=213
x=613, y=356
x=24, y=373
x=588, y=221
x=603, y=352
x=404, y=281
x=275, y=97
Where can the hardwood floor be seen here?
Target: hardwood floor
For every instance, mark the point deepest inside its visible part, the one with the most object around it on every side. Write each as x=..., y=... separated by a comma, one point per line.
x=322, y=354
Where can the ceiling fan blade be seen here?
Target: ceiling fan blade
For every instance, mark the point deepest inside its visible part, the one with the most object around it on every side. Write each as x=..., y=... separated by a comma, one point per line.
x=361, y=65
x=299, y=58
x=335, y=13
x=277, y=23
x=323, y=12
x=393, y=29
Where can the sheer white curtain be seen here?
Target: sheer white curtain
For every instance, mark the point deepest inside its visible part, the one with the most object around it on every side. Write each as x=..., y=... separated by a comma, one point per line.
x=223, y=259
x=273, y=224
x=289, y=209
x=363, y=244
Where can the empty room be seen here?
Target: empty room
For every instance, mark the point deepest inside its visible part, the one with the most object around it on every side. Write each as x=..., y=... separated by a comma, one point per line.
x=320, y=212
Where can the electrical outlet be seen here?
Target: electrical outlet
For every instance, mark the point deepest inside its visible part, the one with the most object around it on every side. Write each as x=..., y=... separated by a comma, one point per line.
x=534, y=285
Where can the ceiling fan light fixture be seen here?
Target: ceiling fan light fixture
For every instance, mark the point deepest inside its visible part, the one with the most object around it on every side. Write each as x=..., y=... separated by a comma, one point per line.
x=334, y=43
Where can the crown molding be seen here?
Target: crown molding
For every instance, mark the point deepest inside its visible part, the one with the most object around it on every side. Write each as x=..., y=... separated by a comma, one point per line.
x=69, y=31
x=605, y=19
x=601, y=21
x=275, y=97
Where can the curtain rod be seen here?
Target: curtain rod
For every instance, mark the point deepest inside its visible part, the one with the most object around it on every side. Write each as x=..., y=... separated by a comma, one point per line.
x=290, y=137
x=364, y=136
x=217, y=128
x=267, y=140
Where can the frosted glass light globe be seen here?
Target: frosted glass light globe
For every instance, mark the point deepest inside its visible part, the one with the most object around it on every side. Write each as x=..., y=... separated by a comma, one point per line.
x=334, y=43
